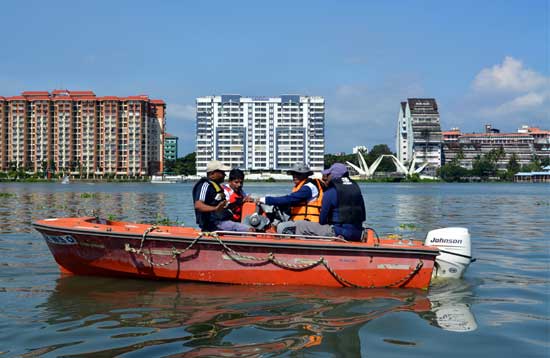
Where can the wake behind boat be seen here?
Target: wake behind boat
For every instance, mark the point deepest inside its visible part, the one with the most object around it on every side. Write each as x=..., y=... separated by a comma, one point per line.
x=94, y=246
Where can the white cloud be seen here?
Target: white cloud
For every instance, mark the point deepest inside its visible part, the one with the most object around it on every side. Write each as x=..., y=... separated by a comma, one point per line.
x=510, y=76
x=184, y=112
x=508, y=92
x=521, y=103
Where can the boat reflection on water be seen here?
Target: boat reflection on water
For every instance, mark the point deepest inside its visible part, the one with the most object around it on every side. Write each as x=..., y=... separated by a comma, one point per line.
x=212, y=320
x=450, y=306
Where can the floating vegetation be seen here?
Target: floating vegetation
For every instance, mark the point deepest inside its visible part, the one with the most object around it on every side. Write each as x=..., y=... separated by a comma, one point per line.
x=399, y=342
x=111, y=217
x=411, y=227
x=542, y=203
x=88, y=195
x=167, y=221
x=7, y=195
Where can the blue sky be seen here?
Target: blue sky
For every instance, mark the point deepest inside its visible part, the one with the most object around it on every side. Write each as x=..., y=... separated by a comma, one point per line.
x=483, y=61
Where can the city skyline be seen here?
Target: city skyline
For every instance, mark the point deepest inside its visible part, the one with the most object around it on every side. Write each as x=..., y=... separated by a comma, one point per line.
x=482, y=62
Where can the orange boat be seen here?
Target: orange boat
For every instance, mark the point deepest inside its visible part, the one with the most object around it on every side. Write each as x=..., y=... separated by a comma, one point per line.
x=94, y=246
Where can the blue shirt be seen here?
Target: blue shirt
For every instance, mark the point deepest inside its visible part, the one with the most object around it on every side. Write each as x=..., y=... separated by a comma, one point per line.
x=306, y=193
x=330, y=215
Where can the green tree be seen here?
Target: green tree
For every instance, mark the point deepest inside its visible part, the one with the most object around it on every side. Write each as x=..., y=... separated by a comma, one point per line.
x=380, y=149
x=12, y=169
x=512, y=168
x=483, y=167
x=185, y=165
x=333, y=158
x=452, y=172
x=169, y=166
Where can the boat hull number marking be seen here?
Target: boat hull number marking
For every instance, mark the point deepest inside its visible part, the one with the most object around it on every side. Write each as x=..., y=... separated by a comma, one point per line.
x=60, y=239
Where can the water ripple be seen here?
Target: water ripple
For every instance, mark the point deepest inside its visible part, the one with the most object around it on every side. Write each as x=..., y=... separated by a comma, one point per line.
x=503, y=300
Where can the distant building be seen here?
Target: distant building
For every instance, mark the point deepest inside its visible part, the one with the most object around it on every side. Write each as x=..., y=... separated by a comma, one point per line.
x=359, y=148
x=419, y=133
x=260, y=133
x=170, y=147
x=534, y=177
x=76, y=132
x=526, y=143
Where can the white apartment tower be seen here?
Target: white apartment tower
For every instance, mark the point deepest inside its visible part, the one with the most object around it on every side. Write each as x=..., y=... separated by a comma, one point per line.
x=419, y=133
x=261, y=133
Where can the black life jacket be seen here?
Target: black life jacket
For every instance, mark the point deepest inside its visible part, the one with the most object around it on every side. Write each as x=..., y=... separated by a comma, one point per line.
x=351, y=207
x=206, y=221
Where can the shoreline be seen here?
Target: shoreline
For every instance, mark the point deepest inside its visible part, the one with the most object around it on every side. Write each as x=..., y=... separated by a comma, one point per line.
x=148, y=181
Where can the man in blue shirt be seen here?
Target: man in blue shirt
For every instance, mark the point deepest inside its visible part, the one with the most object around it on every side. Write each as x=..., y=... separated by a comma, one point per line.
x=304, y=202
x=342, y=210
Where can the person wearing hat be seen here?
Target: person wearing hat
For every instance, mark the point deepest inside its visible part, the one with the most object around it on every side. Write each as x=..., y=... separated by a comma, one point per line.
x=208, y=196
x=304, y=201
x=342, y=210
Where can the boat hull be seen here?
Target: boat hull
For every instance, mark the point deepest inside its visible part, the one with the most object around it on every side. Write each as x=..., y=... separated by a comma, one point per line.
x=85, y=246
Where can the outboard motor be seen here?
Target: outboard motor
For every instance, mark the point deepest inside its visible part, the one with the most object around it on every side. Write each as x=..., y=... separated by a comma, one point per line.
x=455, y=249
x=255, y=219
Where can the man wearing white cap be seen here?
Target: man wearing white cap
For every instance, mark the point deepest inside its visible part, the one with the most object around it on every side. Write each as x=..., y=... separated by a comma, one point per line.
x=342, y=209
x=208, y=195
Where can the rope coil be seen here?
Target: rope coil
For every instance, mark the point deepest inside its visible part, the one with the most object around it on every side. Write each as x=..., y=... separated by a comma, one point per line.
x=175, y=253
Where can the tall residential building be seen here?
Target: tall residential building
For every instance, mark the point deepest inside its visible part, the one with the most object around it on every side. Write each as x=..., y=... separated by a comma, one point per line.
x=79, y=133
x=4, y=136
x=261, y=133
x=419, y=133
x=170, y=147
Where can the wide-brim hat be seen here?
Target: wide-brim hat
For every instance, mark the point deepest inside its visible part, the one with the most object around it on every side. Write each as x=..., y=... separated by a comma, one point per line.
x=214, y=165
x=300, y=168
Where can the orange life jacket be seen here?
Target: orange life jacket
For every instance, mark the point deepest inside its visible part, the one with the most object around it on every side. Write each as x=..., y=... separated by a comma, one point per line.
x=308, y=210
x=236, y=200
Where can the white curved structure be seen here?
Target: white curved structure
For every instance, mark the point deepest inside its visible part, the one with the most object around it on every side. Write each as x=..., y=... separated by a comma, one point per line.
x=364, y=170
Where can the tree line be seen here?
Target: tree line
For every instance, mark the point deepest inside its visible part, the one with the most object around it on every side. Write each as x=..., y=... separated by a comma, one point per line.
x=486, y=167
x=186, y=165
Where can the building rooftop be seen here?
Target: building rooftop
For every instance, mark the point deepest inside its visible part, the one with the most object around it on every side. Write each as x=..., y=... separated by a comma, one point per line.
x=422, y=104
x=67, y=95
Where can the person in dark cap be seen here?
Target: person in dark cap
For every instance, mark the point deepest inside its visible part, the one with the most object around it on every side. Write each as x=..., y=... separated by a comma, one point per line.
x=342, y=210
x=304, y=201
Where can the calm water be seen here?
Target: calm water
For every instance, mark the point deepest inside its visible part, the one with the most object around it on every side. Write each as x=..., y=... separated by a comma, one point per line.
x=500, y=309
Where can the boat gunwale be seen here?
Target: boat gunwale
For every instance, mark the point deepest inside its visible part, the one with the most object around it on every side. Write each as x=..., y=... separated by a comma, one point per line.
x=272, y=243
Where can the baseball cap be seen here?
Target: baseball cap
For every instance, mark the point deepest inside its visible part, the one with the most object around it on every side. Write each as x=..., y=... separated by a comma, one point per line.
x=337, y=170
x=214, y=165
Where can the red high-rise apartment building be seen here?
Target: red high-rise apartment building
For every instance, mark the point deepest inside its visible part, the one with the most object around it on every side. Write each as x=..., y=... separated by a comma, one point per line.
x=79, y=133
